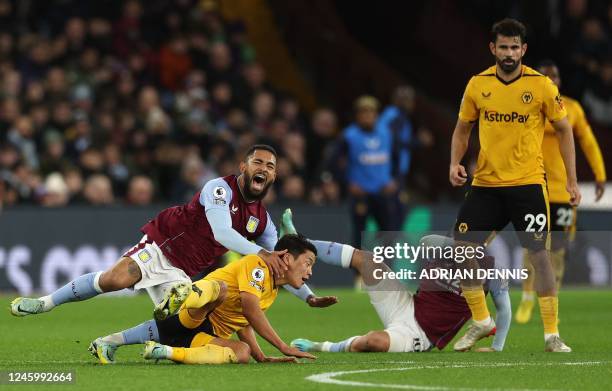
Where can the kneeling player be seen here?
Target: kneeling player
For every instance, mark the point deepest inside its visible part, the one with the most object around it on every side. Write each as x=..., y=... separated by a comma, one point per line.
x=414, y=322
x=229, y=300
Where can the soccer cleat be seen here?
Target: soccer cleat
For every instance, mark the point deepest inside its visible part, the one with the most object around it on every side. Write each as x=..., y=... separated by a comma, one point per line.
x=556, y=345
x=155, y=351
x=23, y=306
x=306, y=345
x=524, y=311
x=474, y=333
x=103, y=351
x=172, y=302
x=286, y=225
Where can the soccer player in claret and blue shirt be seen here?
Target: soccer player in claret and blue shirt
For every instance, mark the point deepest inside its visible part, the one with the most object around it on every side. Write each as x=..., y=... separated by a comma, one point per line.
x=184, y=240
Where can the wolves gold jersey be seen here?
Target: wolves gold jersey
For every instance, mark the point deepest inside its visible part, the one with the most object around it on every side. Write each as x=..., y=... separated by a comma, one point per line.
x=553, y=162
x=511, y=118
x=248, y=274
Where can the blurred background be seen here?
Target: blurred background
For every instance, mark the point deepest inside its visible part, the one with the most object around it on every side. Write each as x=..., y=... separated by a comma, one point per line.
x=112, y=110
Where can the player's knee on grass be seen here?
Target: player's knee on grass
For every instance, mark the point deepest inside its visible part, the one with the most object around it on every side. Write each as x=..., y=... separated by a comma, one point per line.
x=124, y=274
x=242, y=351
x=374, y=341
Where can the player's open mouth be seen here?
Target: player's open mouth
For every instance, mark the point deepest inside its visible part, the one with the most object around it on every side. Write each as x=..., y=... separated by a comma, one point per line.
x=258, y=182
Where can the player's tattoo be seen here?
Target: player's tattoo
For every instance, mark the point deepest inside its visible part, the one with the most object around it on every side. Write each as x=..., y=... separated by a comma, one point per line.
x=133, y=269
x=197, y=290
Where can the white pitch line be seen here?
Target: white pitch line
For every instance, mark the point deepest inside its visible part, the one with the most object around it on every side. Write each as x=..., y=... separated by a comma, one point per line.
x=328, y=377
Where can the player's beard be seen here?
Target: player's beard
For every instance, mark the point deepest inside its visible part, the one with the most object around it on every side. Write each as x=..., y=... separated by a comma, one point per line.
x=507, y=67
x=249, y=193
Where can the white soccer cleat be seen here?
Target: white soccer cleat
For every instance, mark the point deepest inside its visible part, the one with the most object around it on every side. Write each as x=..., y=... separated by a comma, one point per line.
x=173, y=300
x=103, y=351
x=475, y=333
x=554, y=344
x=24, y=306
x=155, y=351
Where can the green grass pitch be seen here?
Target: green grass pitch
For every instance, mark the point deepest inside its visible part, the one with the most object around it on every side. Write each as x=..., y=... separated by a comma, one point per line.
x=58, y=341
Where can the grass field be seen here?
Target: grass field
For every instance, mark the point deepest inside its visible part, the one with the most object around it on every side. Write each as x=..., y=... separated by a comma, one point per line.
x=58, y=341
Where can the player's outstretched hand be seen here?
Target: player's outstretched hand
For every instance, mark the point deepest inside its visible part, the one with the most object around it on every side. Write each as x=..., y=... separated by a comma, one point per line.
x=281, y=359
x=457, y=175
x=321, y=302
x=275, y=262
x=574, y=192
x=295, y=352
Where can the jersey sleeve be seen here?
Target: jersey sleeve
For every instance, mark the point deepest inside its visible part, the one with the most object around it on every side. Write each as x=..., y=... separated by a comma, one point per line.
x=552, y=104
x=269, y=237
x=216, y=194
x=469, y=112
x=588, y=143
x=253, y=275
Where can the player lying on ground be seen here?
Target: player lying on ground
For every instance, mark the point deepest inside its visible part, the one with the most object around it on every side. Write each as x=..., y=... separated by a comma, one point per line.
x=184, y=240
x=229, y=300
x=413, y=322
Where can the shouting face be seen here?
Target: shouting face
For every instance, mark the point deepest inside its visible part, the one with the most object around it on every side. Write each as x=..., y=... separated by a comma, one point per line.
x=259, y=173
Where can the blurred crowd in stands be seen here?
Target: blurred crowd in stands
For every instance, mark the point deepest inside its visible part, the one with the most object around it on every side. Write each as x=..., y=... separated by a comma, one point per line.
x=115, y=102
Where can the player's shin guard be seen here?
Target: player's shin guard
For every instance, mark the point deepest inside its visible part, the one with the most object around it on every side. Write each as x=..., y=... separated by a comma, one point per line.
x=475, y=298
x=208, y=354
x=549, y=310
x=202, y=293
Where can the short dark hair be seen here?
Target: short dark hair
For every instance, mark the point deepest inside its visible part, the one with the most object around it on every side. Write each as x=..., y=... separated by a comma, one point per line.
x=509, y=28
x=546, y=63
x=295, y=244
x=258, y=147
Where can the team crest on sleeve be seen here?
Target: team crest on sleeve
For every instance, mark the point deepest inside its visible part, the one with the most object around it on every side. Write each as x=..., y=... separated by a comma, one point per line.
x=144, y=256
x=219, y=194
x=527, y=97
x=252, y=224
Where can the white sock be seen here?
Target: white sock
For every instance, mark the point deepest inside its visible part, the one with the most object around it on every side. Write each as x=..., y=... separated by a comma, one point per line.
x=528, y=296
x=546, y=336
x=484, y=322
x=48, y=303
x=116, y=339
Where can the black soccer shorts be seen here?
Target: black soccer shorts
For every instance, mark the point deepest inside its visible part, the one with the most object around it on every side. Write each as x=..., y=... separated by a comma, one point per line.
x=562, y=224
x=489, y=209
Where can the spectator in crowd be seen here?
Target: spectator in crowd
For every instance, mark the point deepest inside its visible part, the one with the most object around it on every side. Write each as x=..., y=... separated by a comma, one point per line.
x=98, y=190
x=363, y=160
x=140, y=191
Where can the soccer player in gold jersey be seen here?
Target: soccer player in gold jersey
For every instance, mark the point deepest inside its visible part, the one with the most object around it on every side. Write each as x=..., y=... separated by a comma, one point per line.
x=562, y=214
x=511, y=103
x=229, y=300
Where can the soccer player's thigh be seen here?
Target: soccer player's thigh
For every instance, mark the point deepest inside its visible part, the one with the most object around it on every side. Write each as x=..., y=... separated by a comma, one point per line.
x=391, y=300
x=481, y=213
x=527, y=206
x=562, y=224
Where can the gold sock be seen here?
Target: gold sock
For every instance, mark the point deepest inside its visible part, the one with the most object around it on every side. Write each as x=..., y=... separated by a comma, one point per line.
x=208, y=354
x=549, y=310
x=475, y=298
x=528, y=284
x=203, y=292
x=558, y=261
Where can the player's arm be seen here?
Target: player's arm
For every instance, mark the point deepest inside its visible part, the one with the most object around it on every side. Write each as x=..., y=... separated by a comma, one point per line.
x=590, y=147
x=247, y=335
x=459, y=145
x=468, y=114
x=215, y=197
x=258, y=320
x=568, y=153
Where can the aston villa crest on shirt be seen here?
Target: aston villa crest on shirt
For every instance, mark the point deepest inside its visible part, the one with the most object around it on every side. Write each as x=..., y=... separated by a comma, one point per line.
x=252, y=224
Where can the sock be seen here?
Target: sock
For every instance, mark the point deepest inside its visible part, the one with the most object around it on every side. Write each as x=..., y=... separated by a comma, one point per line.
x=142, y=333
x=338, y=347
x=558, y=261
x=208, y=354
x=334, y=253
x=81, y=288
x=203, y=292
x=528, y=296
x=303, y=292
x=528, y=284
x=549, y=311
x=475, y=298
